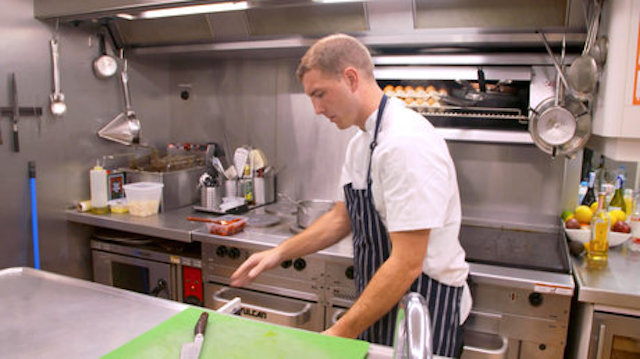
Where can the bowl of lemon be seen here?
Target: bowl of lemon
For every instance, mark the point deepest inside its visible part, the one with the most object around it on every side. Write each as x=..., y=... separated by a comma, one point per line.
x=578, y=229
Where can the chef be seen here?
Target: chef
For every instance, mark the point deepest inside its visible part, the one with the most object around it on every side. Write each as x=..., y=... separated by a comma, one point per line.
x=398, y=196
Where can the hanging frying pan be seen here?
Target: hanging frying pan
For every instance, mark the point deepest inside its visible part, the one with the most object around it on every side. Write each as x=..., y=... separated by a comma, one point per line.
x=560, y=130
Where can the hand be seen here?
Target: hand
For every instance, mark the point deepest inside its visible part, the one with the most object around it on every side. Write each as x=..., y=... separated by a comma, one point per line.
x=330, y=332
x=254, y=265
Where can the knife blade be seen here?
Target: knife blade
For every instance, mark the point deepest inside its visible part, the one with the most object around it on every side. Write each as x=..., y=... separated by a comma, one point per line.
x=191, y=350
x=14, y=113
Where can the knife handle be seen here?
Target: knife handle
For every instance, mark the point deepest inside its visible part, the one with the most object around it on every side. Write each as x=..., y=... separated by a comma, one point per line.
x=201, y=325
x=16, y=141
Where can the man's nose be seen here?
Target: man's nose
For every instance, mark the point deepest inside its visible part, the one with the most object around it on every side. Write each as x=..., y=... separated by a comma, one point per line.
x=317, y=107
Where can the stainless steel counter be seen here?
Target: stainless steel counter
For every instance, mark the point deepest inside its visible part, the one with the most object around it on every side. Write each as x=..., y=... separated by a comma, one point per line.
x=616, y=285
x=174, y=225
x=46, y=315
x=169, y=225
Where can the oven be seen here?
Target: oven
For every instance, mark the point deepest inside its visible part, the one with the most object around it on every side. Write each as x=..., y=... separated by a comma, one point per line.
x=290, y=295
x=157, y=267
x=470, y=97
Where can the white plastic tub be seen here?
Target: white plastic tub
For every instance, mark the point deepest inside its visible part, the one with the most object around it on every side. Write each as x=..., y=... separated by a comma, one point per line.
x=143, y=198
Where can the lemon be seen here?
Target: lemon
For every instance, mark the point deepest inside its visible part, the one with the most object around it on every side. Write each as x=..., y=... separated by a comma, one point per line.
x=617, y=215
x=566, y=214
x=594, y=207
x=583, y=214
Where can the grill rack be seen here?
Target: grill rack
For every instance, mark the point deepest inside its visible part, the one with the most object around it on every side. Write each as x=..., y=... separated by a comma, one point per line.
x=491, y=113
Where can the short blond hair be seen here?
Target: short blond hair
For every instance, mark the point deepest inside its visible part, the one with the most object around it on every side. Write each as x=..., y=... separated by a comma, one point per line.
x=334, y=53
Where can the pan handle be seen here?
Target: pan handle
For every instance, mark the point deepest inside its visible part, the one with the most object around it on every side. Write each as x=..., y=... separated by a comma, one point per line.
x=553, y=58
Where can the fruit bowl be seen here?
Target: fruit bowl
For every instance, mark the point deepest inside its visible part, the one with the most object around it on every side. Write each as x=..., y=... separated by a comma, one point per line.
x=584, y=235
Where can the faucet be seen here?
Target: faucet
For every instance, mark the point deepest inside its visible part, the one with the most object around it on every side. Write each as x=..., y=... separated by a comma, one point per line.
x=413, y=339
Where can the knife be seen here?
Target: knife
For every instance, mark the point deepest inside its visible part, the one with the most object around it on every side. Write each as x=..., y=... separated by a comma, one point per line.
x=191, y=350
x=14, y=113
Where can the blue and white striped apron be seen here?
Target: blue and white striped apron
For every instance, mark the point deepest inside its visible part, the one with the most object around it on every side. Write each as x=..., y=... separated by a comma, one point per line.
x=371, y=247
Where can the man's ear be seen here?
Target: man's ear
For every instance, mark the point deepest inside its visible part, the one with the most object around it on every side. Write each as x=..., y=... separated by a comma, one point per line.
x=352, y=77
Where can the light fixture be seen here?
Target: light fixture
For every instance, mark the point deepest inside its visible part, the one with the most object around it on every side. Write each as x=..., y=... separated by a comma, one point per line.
x=187, y=10
x=336, y=1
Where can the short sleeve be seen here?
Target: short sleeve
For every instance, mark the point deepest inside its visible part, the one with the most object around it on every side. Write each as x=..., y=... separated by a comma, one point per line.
x=416, y=183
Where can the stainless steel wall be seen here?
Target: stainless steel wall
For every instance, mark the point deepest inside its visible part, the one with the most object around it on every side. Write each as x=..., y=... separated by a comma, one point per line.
x=260, y=102
x=64, y=149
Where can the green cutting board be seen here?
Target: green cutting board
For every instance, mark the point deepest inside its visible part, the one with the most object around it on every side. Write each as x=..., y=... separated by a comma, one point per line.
x=231, y=337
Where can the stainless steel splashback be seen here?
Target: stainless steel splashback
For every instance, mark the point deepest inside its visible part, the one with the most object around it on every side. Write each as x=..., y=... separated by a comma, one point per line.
x=260, y=102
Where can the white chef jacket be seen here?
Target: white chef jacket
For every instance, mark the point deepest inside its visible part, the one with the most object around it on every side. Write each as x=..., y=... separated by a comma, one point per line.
x=414, y=187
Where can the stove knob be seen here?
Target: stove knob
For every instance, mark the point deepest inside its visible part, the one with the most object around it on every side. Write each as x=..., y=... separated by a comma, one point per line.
x=234, y=253
x=286, y=264
x=349, y=272
x=535, y=299
x=299, y=264
x=221, y=251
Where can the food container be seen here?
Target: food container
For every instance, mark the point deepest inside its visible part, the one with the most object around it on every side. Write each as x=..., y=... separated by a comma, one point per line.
x=143, y=198
x=226, y=225
x=180, y=186
x=118, y=205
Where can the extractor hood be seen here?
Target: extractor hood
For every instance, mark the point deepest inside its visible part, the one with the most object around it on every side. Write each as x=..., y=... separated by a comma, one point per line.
x=235, y=25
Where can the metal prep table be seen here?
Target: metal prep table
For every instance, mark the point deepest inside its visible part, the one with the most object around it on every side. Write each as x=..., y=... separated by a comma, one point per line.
x=608, y=303
x=46, y=315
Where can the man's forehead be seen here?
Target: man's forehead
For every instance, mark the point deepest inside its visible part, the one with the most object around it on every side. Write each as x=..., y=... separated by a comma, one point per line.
x=316, y=78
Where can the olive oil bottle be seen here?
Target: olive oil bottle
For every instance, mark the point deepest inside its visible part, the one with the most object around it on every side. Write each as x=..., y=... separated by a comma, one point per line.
x=598, y=246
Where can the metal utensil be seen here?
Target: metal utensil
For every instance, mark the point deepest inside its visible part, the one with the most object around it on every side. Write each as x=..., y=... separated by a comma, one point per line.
x=125, y=127
x=15, y=113
x=582, y=75
x=192, y=350
x=58, y=106
x=105, y=66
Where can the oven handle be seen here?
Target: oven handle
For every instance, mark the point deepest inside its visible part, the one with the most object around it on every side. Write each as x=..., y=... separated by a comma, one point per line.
x=337, y=314
x=297, y=318
x=600, y=345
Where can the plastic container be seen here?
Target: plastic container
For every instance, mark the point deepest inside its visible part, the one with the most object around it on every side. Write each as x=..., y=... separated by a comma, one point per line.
x=143, y=198
x=226, y=226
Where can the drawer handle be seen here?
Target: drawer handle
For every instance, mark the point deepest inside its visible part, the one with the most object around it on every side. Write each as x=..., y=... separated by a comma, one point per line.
x=299, y=317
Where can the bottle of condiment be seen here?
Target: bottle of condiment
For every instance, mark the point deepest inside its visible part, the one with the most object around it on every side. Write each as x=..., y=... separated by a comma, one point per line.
x=634, y=223
x=617, y=201
x=98, y=186
x=598, y=246
x=628, y=201
x=590, y=196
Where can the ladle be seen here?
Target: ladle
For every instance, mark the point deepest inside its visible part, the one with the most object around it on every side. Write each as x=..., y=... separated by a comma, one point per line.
x=582, y=75
x=58, y=106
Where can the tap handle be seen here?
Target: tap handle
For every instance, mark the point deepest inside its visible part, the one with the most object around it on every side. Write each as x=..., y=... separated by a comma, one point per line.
x=413, y=337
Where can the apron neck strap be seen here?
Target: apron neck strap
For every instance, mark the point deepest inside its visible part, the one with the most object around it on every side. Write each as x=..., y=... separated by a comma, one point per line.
x=374, y=142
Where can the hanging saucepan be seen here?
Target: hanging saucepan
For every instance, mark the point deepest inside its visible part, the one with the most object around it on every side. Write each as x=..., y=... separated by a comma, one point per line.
x=560, y=130
x=105, y=66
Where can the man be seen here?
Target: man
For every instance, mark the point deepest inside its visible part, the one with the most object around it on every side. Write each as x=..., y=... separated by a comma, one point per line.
x=398, y=196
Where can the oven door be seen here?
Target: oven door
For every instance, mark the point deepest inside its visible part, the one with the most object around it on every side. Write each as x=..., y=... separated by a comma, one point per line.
x=269, y=308
x=618, y=336
x=131, y=273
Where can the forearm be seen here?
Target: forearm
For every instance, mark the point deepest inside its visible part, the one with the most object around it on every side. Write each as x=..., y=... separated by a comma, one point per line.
x=324, y=232
x=383, y=292
x=389, y=284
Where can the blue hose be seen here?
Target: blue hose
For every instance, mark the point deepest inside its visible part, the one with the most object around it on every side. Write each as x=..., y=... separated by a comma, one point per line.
x=34, y=215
